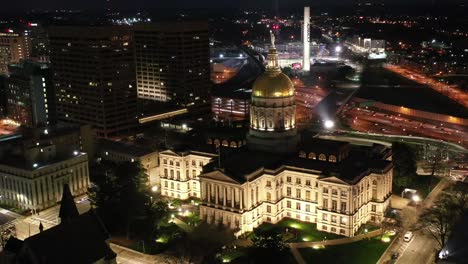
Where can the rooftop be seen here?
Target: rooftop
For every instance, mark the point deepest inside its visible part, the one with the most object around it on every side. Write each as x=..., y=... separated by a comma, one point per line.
x=389, y=88
x=239, y=163
x=134, y=150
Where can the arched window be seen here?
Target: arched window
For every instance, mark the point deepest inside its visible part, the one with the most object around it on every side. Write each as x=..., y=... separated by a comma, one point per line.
x=262, y=123
x=233, y=144
x=322, y=157
x=312, y=155
x=374, y=182
x=209, y=141
x=216, y=142
x=225, y=143
x=302, y=154
x=332, y=158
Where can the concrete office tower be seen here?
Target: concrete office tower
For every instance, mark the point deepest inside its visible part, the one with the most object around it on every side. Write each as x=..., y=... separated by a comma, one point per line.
x=306, y=39
x=30, y=94
x=94, y=77
x=173, y=62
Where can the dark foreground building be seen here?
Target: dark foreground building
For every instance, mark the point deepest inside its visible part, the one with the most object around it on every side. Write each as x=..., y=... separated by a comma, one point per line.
x=78, y=239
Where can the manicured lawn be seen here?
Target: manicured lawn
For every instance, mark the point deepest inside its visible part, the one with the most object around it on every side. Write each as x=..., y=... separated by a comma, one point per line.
x=366, y=251
x=298, y=231
x=231, y=255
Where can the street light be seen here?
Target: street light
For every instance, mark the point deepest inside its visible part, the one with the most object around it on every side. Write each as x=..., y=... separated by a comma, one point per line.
x=338, y=49
x=329, y=124
x=154, y=188
x=416, y=198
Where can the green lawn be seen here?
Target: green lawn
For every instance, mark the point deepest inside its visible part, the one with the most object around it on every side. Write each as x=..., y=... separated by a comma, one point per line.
x=298, y=231
x=361, y=252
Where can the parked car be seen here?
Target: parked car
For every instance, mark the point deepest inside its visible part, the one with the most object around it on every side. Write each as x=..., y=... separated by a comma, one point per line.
x=408, y=236
x=395, y=255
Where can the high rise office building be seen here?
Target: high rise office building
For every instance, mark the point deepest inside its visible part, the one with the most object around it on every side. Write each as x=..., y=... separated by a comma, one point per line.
x=14, y=47
x=173, y=62
x=30, y=95
x=94, y=76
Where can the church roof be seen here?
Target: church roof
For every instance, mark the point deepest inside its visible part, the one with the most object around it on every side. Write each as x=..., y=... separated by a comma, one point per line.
x=68, y=208
x=81, y=240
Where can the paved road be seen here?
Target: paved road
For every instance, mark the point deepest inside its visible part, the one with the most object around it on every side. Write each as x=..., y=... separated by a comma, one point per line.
x=127, y=256
x=421, y=249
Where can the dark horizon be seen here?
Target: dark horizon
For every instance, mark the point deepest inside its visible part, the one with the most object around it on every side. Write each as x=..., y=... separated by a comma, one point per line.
x=211, y=4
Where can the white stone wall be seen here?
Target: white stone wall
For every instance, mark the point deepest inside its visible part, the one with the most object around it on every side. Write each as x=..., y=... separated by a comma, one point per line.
x=335, y=206
x=179, y=174
x=42, y=187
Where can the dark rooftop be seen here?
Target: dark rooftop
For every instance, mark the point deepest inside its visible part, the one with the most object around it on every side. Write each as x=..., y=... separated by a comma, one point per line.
x=234, y=93
x=117, y=146
x=81, y=240
x=239, y=163
x=389, y=88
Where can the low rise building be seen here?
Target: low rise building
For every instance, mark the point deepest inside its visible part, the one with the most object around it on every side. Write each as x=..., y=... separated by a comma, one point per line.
x=121, y=152
x=32, y=175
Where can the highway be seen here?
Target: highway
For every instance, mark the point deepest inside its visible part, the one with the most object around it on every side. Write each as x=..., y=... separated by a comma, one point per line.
x=450, y=91
x=368, y=121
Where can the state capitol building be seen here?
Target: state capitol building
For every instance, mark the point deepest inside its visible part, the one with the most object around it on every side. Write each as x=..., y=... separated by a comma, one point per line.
x=278, y=174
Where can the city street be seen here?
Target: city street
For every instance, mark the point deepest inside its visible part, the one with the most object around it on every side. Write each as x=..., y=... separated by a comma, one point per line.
x=28, y=226
x=421, y=249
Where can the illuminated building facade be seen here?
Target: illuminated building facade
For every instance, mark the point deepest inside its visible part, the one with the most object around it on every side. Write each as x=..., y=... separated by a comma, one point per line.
x=30, y=94
x=277, y=175
x=179, y=172
x=173, y=62
x=94, y=77
x=34, y=178
x=14, y=47
x=317, y=186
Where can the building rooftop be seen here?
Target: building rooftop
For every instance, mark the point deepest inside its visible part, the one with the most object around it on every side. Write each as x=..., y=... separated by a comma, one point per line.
x=239, y=164
x=20, y=162
x=232, y=93
x=134, y=150
x=389, y=88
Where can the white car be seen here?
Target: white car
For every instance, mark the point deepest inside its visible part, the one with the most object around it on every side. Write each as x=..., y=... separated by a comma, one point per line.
x=408, y=236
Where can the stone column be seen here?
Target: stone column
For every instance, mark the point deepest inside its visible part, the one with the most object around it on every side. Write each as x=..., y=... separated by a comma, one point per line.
x=224, y=190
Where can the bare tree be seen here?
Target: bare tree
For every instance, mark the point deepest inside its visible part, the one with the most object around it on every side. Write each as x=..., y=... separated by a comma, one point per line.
x=458, y=197
x=438, y=221
x=437, y=159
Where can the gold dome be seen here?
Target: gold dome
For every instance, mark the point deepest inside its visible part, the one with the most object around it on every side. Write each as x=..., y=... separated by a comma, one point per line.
x=273, y=85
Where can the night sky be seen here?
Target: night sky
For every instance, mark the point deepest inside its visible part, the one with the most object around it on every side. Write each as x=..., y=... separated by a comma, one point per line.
x=130, y=4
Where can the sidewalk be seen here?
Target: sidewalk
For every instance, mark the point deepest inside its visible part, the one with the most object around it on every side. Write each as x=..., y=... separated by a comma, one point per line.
x=338, y=241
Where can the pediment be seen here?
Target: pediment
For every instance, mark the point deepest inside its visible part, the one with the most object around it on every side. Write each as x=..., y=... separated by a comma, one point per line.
x=219, y=176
